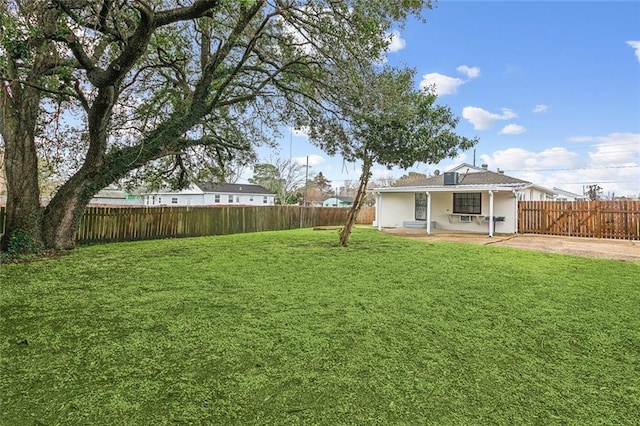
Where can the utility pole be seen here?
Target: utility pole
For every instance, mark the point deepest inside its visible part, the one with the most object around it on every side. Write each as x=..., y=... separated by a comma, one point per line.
x=306, y=182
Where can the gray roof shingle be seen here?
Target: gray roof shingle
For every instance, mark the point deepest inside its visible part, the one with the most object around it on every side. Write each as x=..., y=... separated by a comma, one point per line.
x=235, y=188
x=478, y=178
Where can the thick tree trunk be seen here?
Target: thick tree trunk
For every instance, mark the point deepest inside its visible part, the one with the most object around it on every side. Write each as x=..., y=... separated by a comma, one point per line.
x=23, y=233
x=345, y=233
x=62, y=215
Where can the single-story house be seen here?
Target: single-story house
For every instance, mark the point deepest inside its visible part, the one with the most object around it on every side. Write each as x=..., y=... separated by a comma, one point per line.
x=562, y=195
x=465, y=199
x=338, y=201
x=114, y=196
x=212, y=194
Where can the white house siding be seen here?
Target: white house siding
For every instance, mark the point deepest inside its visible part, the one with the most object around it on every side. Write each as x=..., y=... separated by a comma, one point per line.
x=533, y=194
x=238, y=199
x=207, y=199
x=173, y=199
x=396, y=208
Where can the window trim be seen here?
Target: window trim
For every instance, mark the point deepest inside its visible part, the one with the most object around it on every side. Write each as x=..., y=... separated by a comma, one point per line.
x=473, y=204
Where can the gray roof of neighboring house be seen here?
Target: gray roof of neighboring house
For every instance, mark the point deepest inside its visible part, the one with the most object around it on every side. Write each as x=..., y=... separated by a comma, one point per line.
x=235, y=188
x=111, y=193
x=569, y=194
x=476, y=178
x=341, y=198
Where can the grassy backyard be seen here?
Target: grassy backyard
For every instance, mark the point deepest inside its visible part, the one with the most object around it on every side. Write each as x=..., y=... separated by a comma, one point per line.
x=288, y=328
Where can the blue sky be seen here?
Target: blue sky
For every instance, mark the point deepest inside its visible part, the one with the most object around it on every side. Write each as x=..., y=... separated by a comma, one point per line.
x=552, y=89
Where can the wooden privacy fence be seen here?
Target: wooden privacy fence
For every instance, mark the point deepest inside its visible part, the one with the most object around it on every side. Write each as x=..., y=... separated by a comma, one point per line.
x=105, y=224
x=618, y=219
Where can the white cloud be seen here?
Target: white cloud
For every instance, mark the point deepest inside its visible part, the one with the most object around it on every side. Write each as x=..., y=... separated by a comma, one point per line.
x=470, y=72
x=540, y=109
x=636, y=46
x=446, y=85
x=482, y=119
x=443, y=84
x=521, y=159
x=314, y=160
x=396, y=42
x=512, y=129
x=612, y=162
x=616, y=149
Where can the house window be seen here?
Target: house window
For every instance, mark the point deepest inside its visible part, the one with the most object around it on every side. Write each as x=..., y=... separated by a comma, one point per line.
x=251, y=198
x=174, y=200
x=264, y=199
x=159, y=200
x=237, y=199
x=216, y=198
x=230, y=198
x=469, y=203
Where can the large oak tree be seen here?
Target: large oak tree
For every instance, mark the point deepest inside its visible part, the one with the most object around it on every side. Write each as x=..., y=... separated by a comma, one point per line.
x=105, y=87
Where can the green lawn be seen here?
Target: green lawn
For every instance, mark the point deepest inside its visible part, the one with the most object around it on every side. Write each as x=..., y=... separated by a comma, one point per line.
x=288, y=328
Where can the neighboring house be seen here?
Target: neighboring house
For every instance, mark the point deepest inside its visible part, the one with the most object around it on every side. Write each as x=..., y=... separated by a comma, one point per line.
x=338, y=202
x=563, y=195
x=466, y=198
x=212, y=194
x=114, y=196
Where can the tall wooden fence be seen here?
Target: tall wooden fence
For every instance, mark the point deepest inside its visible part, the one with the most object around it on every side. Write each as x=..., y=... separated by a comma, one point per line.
x=618, y=219
x=106, y=224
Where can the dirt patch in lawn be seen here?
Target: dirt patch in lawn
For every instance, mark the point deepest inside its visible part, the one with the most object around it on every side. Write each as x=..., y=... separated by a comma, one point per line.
x=626, y=250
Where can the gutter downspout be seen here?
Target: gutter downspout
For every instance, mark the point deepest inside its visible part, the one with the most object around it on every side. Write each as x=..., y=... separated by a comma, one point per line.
x=428, y=213
x=491, y=222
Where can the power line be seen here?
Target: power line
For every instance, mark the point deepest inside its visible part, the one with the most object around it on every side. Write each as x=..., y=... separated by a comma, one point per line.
x=572, y=168
x=602, y=145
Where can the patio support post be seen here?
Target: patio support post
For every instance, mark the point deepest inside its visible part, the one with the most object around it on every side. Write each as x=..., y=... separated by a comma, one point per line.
x=517, y=212
x=379, y=210
x=491, y=222
x=428, y=213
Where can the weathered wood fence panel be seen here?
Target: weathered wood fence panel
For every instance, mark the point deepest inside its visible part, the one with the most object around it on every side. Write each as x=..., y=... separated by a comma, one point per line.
x=104, y=224
x=618, y=219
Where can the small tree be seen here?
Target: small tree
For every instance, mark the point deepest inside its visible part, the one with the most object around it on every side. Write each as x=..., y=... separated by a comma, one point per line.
x=323, y=184
x=282, y=177
x=386, y=121
x=409, y=179
x=594, y=192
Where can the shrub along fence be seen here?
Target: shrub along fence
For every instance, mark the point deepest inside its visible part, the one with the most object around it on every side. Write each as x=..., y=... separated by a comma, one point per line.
x=109, y=224
x=618, y=219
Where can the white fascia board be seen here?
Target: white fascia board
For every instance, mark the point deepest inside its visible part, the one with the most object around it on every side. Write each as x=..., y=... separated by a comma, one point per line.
x=449, y=188
x=540, y=188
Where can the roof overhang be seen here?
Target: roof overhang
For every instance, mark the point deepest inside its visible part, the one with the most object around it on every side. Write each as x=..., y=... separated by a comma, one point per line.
x=449, y=188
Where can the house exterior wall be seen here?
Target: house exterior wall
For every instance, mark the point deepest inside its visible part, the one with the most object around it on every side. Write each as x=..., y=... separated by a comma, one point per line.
x=208, y=199
x=533, y=194
x=397, y=210
x=137, y=201
x=222, y=199
x=173, y=199
x=504, y=205
x=394, y=209
x=334, y=202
